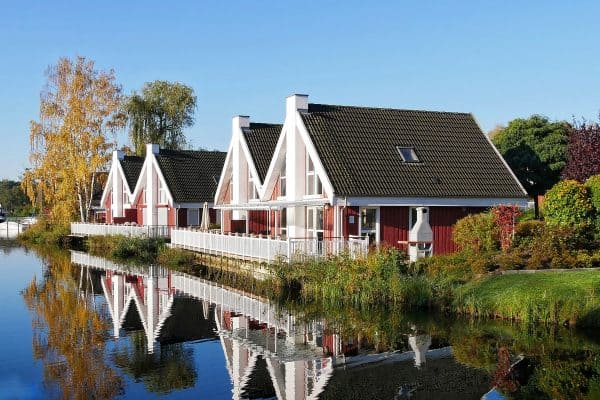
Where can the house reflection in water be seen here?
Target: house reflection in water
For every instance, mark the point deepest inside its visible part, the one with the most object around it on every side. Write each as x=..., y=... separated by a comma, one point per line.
x=268, y=353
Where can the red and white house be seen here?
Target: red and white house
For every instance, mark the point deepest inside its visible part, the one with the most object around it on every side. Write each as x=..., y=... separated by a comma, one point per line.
x=400, y=178
x=163, y=190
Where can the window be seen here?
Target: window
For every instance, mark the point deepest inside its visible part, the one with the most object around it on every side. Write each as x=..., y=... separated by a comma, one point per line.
x=314, y=222
x=369, y=223
x=282, y=181
x=125, y=196
x=252, y=191
x=283, y=221
x=313, y=183
x=193, y=216
x=162, y=194
x=408, y=154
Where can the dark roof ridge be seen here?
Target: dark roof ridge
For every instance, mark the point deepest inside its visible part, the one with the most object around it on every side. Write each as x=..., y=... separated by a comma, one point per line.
x=264, y=124
x=387, y=109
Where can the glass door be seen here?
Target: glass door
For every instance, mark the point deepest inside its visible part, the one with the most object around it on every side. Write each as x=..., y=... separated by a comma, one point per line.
x=369, y=223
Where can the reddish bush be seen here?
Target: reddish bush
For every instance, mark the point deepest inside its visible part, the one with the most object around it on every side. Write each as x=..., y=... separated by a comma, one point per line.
x=505, y=219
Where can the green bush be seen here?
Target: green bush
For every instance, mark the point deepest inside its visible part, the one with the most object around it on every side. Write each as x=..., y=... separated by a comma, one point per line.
x=45, y=232
x=568, y=204
x=124, y=248
x=593, y=184
x=527, y=231
x=476, y=233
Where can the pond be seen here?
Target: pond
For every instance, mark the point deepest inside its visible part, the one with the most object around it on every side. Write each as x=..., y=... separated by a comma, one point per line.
x=79, y=326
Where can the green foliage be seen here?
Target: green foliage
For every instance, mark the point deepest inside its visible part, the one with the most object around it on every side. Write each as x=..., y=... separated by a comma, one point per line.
x=535, y=149
x=476, y=233
x=553, y=297
x=127, y=249
x=159, y=114
x=568, y=204
x=376, y=279
x=593, y=184
x=14, y=200
x=176, y=258
x=46, y=233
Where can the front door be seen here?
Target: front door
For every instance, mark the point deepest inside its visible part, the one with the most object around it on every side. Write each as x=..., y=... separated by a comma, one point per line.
x=314, y=222
x=369, y=223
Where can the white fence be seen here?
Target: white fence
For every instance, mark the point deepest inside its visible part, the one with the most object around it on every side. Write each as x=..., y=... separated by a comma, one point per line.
x=87, y=229
x=265, y=249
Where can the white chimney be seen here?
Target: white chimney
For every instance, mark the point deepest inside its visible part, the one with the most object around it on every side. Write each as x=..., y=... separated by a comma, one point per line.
x=152, y=148
x=296, y=102
x=119, y=154
x=421, y=232
x=240, y=121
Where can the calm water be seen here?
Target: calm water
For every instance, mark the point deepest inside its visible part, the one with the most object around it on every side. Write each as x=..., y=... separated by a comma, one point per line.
x=77, y=326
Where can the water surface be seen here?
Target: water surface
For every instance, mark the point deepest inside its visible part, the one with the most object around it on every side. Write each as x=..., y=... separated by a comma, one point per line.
x=76, y=325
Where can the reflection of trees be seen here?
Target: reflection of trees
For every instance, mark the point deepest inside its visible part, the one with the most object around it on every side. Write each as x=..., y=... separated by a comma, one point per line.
x=69, y=334
x=168, y=369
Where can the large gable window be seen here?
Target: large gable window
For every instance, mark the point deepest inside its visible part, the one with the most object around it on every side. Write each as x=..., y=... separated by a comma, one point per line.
x=252, y=190
x=162, y=194
x=408, y=154
x=313, y=183
x=282, y=182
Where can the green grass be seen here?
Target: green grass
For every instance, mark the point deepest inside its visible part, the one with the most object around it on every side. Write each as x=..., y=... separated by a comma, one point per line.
x=129, y=249
x=552, y=297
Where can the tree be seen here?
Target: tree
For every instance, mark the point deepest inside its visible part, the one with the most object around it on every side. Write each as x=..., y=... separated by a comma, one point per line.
x=535, y=149
x=13, y=198
x=159, y=114
x=583, y=152
x=568, y=204
x=70, y=143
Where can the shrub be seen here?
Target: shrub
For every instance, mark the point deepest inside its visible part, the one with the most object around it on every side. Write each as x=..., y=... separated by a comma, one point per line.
x=593, y=184
x=475, y=233
x=568, y=204
x=505, y=217
x=46, y=233
x=527, y=231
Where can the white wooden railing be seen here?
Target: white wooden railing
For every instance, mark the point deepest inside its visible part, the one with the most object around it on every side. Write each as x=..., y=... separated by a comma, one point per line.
x=265, y=249
x=89, y=229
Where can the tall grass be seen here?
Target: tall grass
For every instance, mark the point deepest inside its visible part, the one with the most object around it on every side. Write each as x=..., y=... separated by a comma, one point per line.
x=380, y=278
x=553, y=297
x=46, y=233
x=124, y=248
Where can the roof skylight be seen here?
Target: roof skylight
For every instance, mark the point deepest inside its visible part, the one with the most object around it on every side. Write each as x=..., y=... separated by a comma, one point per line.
x=408, y=154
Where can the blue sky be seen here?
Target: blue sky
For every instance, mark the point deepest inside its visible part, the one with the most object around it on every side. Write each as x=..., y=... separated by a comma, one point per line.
x=498, y=60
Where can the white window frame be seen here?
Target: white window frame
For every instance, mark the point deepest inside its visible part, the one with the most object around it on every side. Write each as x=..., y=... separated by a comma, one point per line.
x=162, y=192
x=252, y=189
x=125, y=196
x=283, y=182
x=312, y=190
x=314, y=232
x=414, y=157
x=377, y=222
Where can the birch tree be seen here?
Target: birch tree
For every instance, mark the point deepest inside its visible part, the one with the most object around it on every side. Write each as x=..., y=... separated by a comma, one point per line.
x=73, y=139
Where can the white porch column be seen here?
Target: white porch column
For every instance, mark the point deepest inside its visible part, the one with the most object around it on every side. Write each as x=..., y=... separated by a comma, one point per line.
x=117, y=185
x=118, y=291
x=239, y=166
x=295, y=164
x=151, y=185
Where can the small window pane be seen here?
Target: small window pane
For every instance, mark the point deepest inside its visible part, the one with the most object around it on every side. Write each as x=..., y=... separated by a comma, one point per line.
x=319, y=186
x=319, y=222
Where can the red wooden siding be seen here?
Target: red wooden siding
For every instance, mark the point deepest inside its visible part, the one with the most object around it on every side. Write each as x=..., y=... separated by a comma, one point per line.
x=171, y=216
x=393, y=226
x=257, y=222
x=441, y=220
x=238, y=226
x=131, y=215
x=226, y=216
x=328, y=222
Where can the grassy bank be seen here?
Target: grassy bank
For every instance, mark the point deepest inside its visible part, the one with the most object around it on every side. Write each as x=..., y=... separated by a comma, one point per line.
x=554, y=297
x=45, y=233
x=382, y=277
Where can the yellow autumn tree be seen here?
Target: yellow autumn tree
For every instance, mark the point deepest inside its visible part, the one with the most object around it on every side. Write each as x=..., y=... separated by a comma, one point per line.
x=72, y=141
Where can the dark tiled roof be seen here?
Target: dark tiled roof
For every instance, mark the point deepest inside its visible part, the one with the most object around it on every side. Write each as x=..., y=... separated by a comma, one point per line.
x=191, y=175
x=98, y=188
x=262, y=140
x=357, y=146
x=132, y=166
